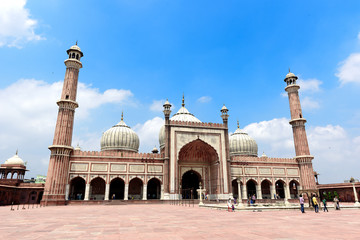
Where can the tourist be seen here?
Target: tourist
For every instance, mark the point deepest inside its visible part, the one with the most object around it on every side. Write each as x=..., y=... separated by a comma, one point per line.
x=253, y=198
x=324, y=202
x=113, y=196
x=336, y=203
x=316, y=205
x=301, y=199
x=229, y=205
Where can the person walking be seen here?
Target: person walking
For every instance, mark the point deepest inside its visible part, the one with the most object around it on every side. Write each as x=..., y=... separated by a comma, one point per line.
x=316, y=205
x=301, y=199
x=324, y=202
x=336, y=203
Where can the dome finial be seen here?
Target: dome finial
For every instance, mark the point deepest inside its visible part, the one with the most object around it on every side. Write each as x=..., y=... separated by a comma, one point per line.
x=289, y=69
x=238, y=124
x=122, y=115
x=16, y=152
x=183, y=101
x=76, y=42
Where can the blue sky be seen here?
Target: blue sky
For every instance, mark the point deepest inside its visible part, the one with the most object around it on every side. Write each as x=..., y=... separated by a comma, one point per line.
x=139, y=53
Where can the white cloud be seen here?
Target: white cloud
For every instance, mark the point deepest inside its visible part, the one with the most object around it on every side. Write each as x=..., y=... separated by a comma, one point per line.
x=309, y=85
x=336, y=153
x=349, y=70
x=16, y=26
x=90, y=98
x=149, y=133
x=274, y=137
x=204, y=99
x=358, y=36
x=157, y=105
x=309, y=103
x=28, y=114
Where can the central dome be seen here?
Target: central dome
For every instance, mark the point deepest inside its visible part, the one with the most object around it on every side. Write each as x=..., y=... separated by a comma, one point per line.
x=182, y=115
x=120, y=137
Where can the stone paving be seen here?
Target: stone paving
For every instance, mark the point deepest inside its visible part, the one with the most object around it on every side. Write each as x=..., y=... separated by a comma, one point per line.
x=163, y=221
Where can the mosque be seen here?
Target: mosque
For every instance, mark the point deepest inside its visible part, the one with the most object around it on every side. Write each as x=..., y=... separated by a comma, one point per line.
x=193, y=154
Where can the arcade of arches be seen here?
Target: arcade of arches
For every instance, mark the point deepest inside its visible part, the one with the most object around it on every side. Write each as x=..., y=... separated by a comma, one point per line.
x=265, y=190
x=116, y=190
x=203, y=157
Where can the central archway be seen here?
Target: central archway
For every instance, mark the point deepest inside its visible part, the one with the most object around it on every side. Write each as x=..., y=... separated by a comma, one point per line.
x=203, y=157
x=190, y=183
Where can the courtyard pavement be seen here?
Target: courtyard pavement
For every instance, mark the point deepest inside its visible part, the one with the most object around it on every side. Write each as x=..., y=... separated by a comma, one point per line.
x=164, y=221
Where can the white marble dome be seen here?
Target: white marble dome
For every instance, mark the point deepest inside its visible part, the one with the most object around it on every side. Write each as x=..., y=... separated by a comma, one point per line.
x=120, y=137
x=290, y=74
x=182, y=115
x=15, y=160
x=242, y=144
x=75, y=47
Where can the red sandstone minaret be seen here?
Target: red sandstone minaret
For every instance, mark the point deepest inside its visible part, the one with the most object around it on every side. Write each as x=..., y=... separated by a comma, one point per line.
x=300, y=140
x=56, y=179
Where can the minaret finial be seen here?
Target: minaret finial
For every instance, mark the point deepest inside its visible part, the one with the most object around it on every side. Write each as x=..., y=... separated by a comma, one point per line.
x=289, y=69
x=76, y=43
x=17, y=151
x=122, y=115
x=238, y=124
x=183, y=101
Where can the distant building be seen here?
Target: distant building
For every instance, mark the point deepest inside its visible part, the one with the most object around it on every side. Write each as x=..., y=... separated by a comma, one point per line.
x=13, y=188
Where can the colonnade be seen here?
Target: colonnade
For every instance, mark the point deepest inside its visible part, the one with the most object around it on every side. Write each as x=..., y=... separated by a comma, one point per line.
x=142, y=191
x=243, y=191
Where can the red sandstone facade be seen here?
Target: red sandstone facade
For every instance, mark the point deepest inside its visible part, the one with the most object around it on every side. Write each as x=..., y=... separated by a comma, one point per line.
x=13, y=190
x=193, y=155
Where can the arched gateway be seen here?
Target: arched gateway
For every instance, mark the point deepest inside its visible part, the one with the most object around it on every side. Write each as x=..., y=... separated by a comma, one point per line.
x=198, y=163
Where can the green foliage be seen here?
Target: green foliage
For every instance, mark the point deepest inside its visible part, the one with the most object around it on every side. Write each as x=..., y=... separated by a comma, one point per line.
x=329, y=196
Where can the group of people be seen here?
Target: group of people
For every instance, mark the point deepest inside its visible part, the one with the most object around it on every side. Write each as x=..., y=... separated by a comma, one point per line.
x=315, y=204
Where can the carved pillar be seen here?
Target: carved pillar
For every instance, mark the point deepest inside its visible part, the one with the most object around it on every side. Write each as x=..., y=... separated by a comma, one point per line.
x=67, y=187
x=239, y=190
x=107, y=191
x=162, y=192
x=355, y=195
x=144, y=192
x=272, y=191
x=244, y=191
x=87, y=191
x=126, y=192
x=258, y=191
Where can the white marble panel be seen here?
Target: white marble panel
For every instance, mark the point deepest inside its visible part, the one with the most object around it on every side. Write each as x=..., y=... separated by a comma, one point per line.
x=79, y=167
x=99, y=167
x=293, y=171
x=118, y=168
x=236, y=171
x=279, y=171
x=250, y=170
x=264, y=171
x=155, y=168
x=137, y=168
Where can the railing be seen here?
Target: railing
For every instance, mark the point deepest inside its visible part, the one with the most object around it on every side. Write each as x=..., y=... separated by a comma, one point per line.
x=187, y=198
x=25, y=206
